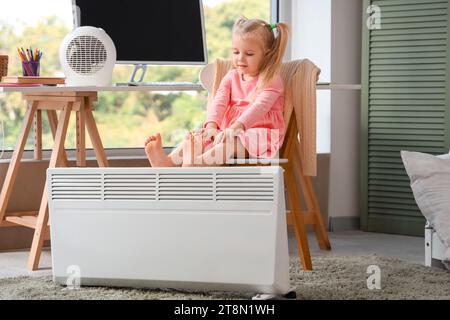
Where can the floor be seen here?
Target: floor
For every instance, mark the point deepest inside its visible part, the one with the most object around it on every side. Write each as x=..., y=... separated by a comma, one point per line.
x=411, y=249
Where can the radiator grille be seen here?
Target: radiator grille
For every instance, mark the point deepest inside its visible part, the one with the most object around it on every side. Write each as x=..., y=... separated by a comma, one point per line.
x=164, y=187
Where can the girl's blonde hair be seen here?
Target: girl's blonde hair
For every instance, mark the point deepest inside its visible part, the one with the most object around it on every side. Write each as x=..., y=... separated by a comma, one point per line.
x=273, y=45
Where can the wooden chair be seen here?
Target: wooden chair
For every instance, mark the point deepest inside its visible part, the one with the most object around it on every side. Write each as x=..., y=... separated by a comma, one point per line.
x=297, y=156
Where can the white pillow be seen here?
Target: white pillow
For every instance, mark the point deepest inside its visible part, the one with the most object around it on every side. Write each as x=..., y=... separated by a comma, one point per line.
x=430, y=182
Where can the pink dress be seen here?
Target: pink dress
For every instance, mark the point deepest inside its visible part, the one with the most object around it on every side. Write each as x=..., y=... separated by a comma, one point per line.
x=261, y=115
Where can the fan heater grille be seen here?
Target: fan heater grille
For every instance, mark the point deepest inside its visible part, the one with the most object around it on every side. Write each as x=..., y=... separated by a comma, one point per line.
x=86, y=55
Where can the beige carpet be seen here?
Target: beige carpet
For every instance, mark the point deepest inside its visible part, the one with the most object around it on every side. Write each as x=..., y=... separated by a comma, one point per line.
x=334, y=277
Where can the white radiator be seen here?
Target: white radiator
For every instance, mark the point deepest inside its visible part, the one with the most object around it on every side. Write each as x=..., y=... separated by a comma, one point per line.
x=221, y=228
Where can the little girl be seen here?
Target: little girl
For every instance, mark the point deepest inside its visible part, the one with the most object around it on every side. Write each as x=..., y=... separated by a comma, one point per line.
x=245, y=119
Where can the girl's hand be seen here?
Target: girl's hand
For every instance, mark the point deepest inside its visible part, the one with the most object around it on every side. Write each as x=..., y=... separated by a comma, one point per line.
x=237, y=126
x=209, y=134
x=210, y=131
x=227, y=134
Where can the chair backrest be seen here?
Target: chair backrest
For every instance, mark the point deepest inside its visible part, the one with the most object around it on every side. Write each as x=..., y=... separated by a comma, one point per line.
x=206, y=77
x=299, y=78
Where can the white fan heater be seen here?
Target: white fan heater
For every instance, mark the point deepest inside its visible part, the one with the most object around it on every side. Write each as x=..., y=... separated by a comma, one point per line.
x=221, y=228
x=88, y=56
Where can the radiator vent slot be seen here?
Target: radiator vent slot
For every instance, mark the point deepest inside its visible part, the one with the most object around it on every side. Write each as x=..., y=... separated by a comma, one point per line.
x=129, y=187
x=244, y=187
x=76, y=187
x=186, y=187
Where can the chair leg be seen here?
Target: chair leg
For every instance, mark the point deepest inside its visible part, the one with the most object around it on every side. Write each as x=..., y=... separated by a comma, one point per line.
x=298, y=219
x=312, y=205
x=319, y=226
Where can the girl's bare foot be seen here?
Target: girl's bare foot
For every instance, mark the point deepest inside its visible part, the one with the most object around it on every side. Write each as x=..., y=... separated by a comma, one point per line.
x=155, y=152
x=192, y=150
x=148, y=139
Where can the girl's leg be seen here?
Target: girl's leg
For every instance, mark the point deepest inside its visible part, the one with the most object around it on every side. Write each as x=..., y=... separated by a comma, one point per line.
x=216, y=156
x=192, y=149
x=155, y=152
x=176, y=156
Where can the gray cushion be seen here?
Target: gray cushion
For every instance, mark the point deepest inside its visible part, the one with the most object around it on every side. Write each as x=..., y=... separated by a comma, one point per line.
x=430, y=182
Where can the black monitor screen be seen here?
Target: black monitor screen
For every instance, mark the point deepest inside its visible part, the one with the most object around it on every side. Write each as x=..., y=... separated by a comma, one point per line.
x=151, y=31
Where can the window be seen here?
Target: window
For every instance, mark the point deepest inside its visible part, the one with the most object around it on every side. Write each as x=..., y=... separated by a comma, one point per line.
x=315, y=17
x=124, y=119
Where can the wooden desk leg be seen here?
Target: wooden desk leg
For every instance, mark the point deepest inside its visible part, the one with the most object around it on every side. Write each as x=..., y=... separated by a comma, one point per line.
x=42, y=220
x=39, y=233
x=95, y=138
x=299, y=223
x=38, y=135
x=81, y=138
x=53, y=122
x=15, y=160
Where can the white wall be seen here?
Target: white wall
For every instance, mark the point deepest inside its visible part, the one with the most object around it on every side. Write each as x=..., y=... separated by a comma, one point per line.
x=346, y=24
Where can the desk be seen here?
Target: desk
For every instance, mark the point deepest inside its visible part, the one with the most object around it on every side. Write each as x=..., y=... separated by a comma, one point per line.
x=67, y=100
x=59, y=88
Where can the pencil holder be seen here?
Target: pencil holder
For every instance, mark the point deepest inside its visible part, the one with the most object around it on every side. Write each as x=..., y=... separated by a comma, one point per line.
x=31, y=68
x=3, y=66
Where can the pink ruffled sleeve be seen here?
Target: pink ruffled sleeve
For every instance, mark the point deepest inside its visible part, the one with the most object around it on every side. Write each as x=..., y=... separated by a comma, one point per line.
x=264, y=101
x=217, y=107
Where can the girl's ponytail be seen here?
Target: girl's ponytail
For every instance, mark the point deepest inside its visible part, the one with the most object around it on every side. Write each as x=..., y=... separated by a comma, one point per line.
x=274, y=57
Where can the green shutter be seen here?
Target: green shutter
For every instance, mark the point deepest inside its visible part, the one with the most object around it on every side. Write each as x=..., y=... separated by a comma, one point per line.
x=405, y=106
